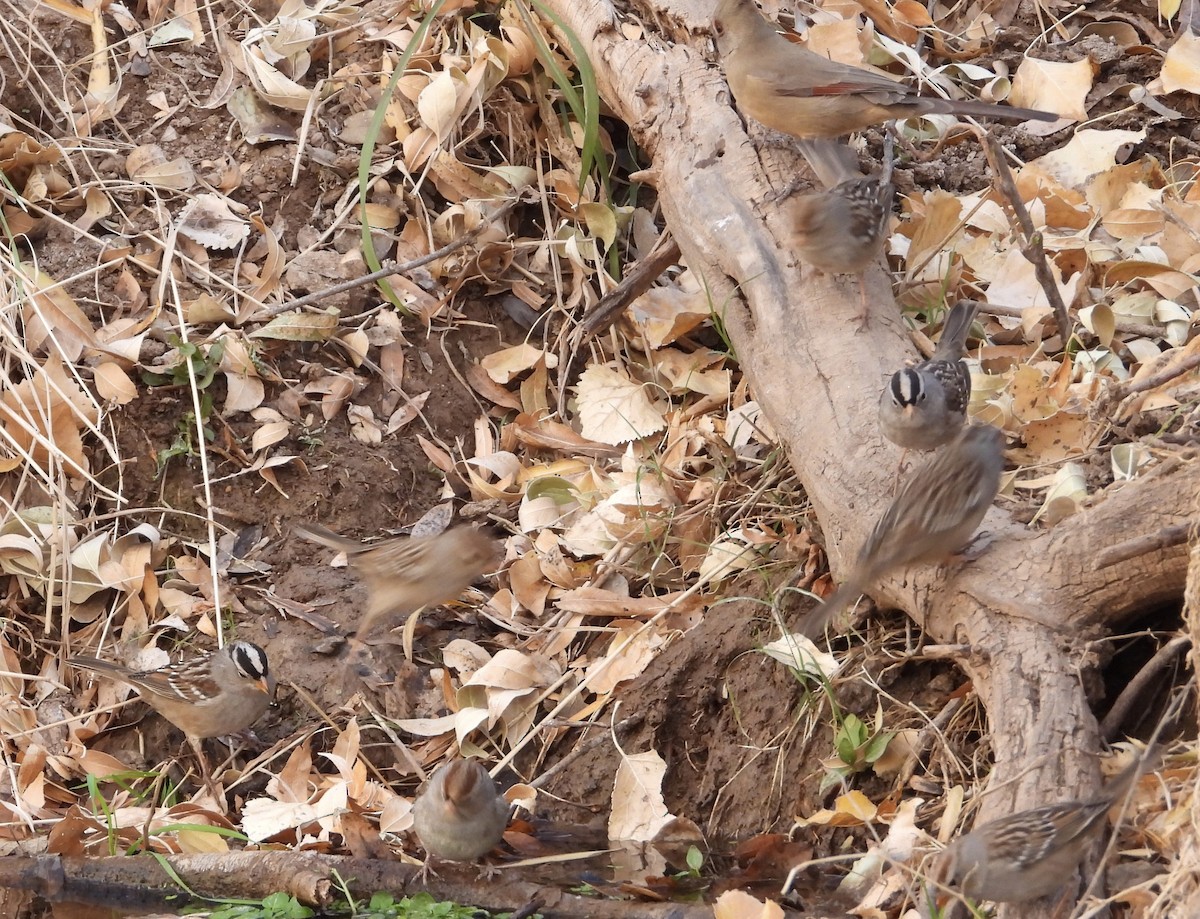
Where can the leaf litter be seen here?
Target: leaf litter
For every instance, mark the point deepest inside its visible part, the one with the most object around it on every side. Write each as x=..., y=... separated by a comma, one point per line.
x=623, y=522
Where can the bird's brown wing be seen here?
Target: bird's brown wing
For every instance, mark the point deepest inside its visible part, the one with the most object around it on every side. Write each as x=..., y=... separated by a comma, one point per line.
x=806, y=73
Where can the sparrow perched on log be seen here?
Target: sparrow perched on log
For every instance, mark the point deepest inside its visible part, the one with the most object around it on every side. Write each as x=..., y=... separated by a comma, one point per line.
x=925, y=406
x=799, y=92
x=840, y=230
x=934, y=515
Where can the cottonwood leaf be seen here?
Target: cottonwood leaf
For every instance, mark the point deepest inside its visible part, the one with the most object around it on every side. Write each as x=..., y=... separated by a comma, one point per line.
x=210, y=221
x=802, y=655
x=639, y=810
x=724, y=558
x=614, y=409
x=1087, y=154
x=436, y=104
x=1054, y=86
x=1066, y=495
x=113, y=384
x=300, y=326
x=148, y=164
x=505, y=365
x=1181, y=66
x=272, y=85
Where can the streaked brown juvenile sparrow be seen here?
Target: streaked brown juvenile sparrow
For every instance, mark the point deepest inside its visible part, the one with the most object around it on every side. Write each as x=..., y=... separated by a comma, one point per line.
x=934, y=515
x=406, y=573
x=925, y=406
x=1032, y=853
x=222, y=692
x=799, y=92
x=840, y=230
x=460, y=814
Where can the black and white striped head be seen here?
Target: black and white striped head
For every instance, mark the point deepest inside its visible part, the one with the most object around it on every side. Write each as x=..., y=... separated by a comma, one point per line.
x=250, y=661
x=908, y=389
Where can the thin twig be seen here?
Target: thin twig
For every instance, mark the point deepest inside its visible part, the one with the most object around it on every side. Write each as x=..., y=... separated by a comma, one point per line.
x=586, y=747
x=635, y=283
x=1154, y=380
x=1164, y=538
x=1121, y=325
x=1132, y=693
x=1033, y=250
x=932, y=731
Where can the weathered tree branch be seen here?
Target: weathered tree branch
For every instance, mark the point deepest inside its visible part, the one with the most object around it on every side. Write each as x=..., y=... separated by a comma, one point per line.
x=1027, y=604
x=313, y=879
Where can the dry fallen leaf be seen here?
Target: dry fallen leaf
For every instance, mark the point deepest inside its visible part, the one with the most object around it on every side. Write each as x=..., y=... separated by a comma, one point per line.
x=614, y=409
x=737, y=904
x=1088, y=153
x=210, y=221
x=1054, y=86
x=1181, y=67
x=638, y=808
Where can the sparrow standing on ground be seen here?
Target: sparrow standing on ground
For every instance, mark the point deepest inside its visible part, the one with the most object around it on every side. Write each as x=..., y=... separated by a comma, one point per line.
x=222, y=692
x=460, y=814
x=1032, y=853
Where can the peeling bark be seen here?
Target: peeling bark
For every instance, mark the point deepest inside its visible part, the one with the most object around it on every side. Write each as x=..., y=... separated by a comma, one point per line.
x=1180, y=895
x=314, y=880
x=1030, y=602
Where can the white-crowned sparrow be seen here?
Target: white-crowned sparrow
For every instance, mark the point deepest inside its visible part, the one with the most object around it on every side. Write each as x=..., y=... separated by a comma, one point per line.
x=221, y=692
x=933, y=516
x=799, y=92
x=840, y=230
x=925, y=406
x=406, y=573
x=1032, y=853
x=460, y=814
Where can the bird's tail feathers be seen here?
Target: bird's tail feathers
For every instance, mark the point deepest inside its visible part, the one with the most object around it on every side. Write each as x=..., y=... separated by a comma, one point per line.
x=820, y=618
x=831, y=160
x=955, y=331
x=991, y=110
